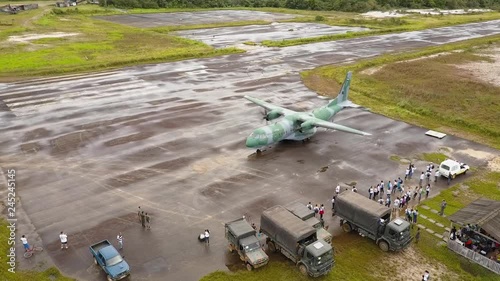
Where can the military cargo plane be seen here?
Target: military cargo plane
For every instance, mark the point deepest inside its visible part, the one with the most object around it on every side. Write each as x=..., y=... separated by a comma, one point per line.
x=300, y=126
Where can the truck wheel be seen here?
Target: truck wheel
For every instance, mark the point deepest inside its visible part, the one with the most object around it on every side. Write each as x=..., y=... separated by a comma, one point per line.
x=95, y=261
x=109, y=278
x=249, y=267
x=271, y=246
x=303, y=269
x=383, y=246
x=346, y=227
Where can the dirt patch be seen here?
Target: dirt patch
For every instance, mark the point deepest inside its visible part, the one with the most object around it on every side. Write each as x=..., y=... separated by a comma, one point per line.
x=20, y=39
x=373, y=70
x=494, y=164
x=477, y=154
x=487, y=71
x=412, y=263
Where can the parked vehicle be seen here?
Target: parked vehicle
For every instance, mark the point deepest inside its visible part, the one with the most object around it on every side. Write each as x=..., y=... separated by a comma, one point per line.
x=242, y=239
x=372, y=220
x=452, y=168
x=301, y=211
x=108, y=258
x=295, y=239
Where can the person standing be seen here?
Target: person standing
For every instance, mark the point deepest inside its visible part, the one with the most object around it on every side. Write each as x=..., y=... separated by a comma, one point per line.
x=143, y=219
x=417, y=236
x=337, y=189
x=119, y=237
x=436, y=175
x=316, y=210
x=321, y=211
x=25, y=243
x=310, y=206
x=449, y=178
x=207, y=236
x=148, y=221
x=415, y=215
x=422, y=176
x=370, y=192
x=427, y=190
x=64, y=240
x=407, y=173
x=139, y=213
x=426, y=276
x=443, y=206
x=333, y=203
x=412, y=170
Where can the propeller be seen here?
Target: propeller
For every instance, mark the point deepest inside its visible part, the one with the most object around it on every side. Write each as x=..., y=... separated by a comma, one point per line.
x=264, y=115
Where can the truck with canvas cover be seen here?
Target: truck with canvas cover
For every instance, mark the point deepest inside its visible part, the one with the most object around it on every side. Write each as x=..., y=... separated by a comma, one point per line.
x=242, y=239
x=294, y=238
x=301, y=211
x=371, y=219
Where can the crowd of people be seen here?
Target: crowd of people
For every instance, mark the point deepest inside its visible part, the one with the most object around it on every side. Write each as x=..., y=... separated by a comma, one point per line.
x=470, y=237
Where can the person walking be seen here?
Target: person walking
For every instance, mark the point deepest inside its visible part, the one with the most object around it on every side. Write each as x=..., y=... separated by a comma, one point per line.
x=310, y=206
x=426, y=276
x=143, y=219
x=422, y=176
x=207, y=236
x=427, y=190
x=148, y=221
x=417, y=236
x=119, y=237
x=64, y=240
x=316, y=210
x=443, y=206
x=139, y=213
x=25, y=243
x=333, y=206
x=321, y=211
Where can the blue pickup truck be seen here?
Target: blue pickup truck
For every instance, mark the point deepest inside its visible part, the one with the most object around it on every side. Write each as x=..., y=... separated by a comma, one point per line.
x=108, y=258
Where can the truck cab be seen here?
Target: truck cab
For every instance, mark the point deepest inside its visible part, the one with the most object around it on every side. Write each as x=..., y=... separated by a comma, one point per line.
x=318, y=258
x=242, y=239
x=396, y=234
x=108, y=258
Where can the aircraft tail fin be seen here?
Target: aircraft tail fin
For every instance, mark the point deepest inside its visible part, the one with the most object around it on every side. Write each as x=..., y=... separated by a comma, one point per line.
x=341, y=99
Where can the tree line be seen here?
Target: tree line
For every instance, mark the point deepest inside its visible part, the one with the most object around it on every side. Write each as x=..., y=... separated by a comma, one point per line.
x=319, y=5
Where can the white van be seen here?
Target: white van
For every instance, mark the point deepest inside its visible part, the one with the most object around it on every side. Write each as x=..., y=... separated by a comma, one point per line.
x=451, y=167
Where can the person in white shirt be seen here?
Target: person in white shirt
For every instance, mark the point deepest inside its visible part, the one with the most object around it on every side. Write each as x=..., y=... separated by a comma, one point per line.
x=25, y=243
x=426, y=276
x=371, y=192
x=337, y=189
x=207, y=236
x=436, y=175
x=119, y=237
x=396, y=205
x=64, y=240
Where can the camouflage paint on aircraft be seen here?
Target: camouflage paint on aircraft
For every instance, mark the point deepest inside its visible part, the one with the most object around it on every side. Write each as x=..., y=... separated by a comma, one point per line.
x=300, y=125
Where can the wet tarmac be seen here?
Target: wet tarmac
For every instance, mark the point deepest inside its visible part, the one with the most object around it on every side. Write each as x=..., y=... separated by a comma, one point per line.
x=192, y=18
x=170, y=138
x=228, y=36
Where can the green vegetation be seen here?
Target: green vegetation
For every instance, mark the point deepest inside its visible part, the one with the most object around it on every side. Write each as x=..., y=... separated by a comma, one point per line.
x=51, y=274
x=94, y=45
x=381, y=26
x=435, y=158
x=424, y=92
x=339, y=5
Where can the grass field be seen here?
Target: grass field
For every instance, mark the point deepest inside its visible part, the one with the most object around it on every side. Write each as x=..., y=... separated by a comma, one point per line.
x=96, y=45
x=429, y=92
x=380, y=26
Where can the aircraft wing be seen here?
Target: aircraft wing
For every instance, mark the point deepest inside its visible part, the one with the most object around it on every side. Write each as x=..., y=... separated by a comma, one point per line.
x=312, y=121
x=270, y=107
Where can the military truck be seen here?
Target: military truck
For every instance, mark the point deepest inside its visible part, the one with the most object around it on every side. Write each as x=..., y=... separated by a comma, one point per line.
x=372, y=220
x=295, y=239
x=301, y=211
x=242, y=239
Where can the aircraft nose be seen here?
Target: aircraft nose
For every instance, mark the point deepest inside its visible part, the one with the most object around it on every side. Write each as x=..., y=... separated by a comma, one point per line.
x=252, y=142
